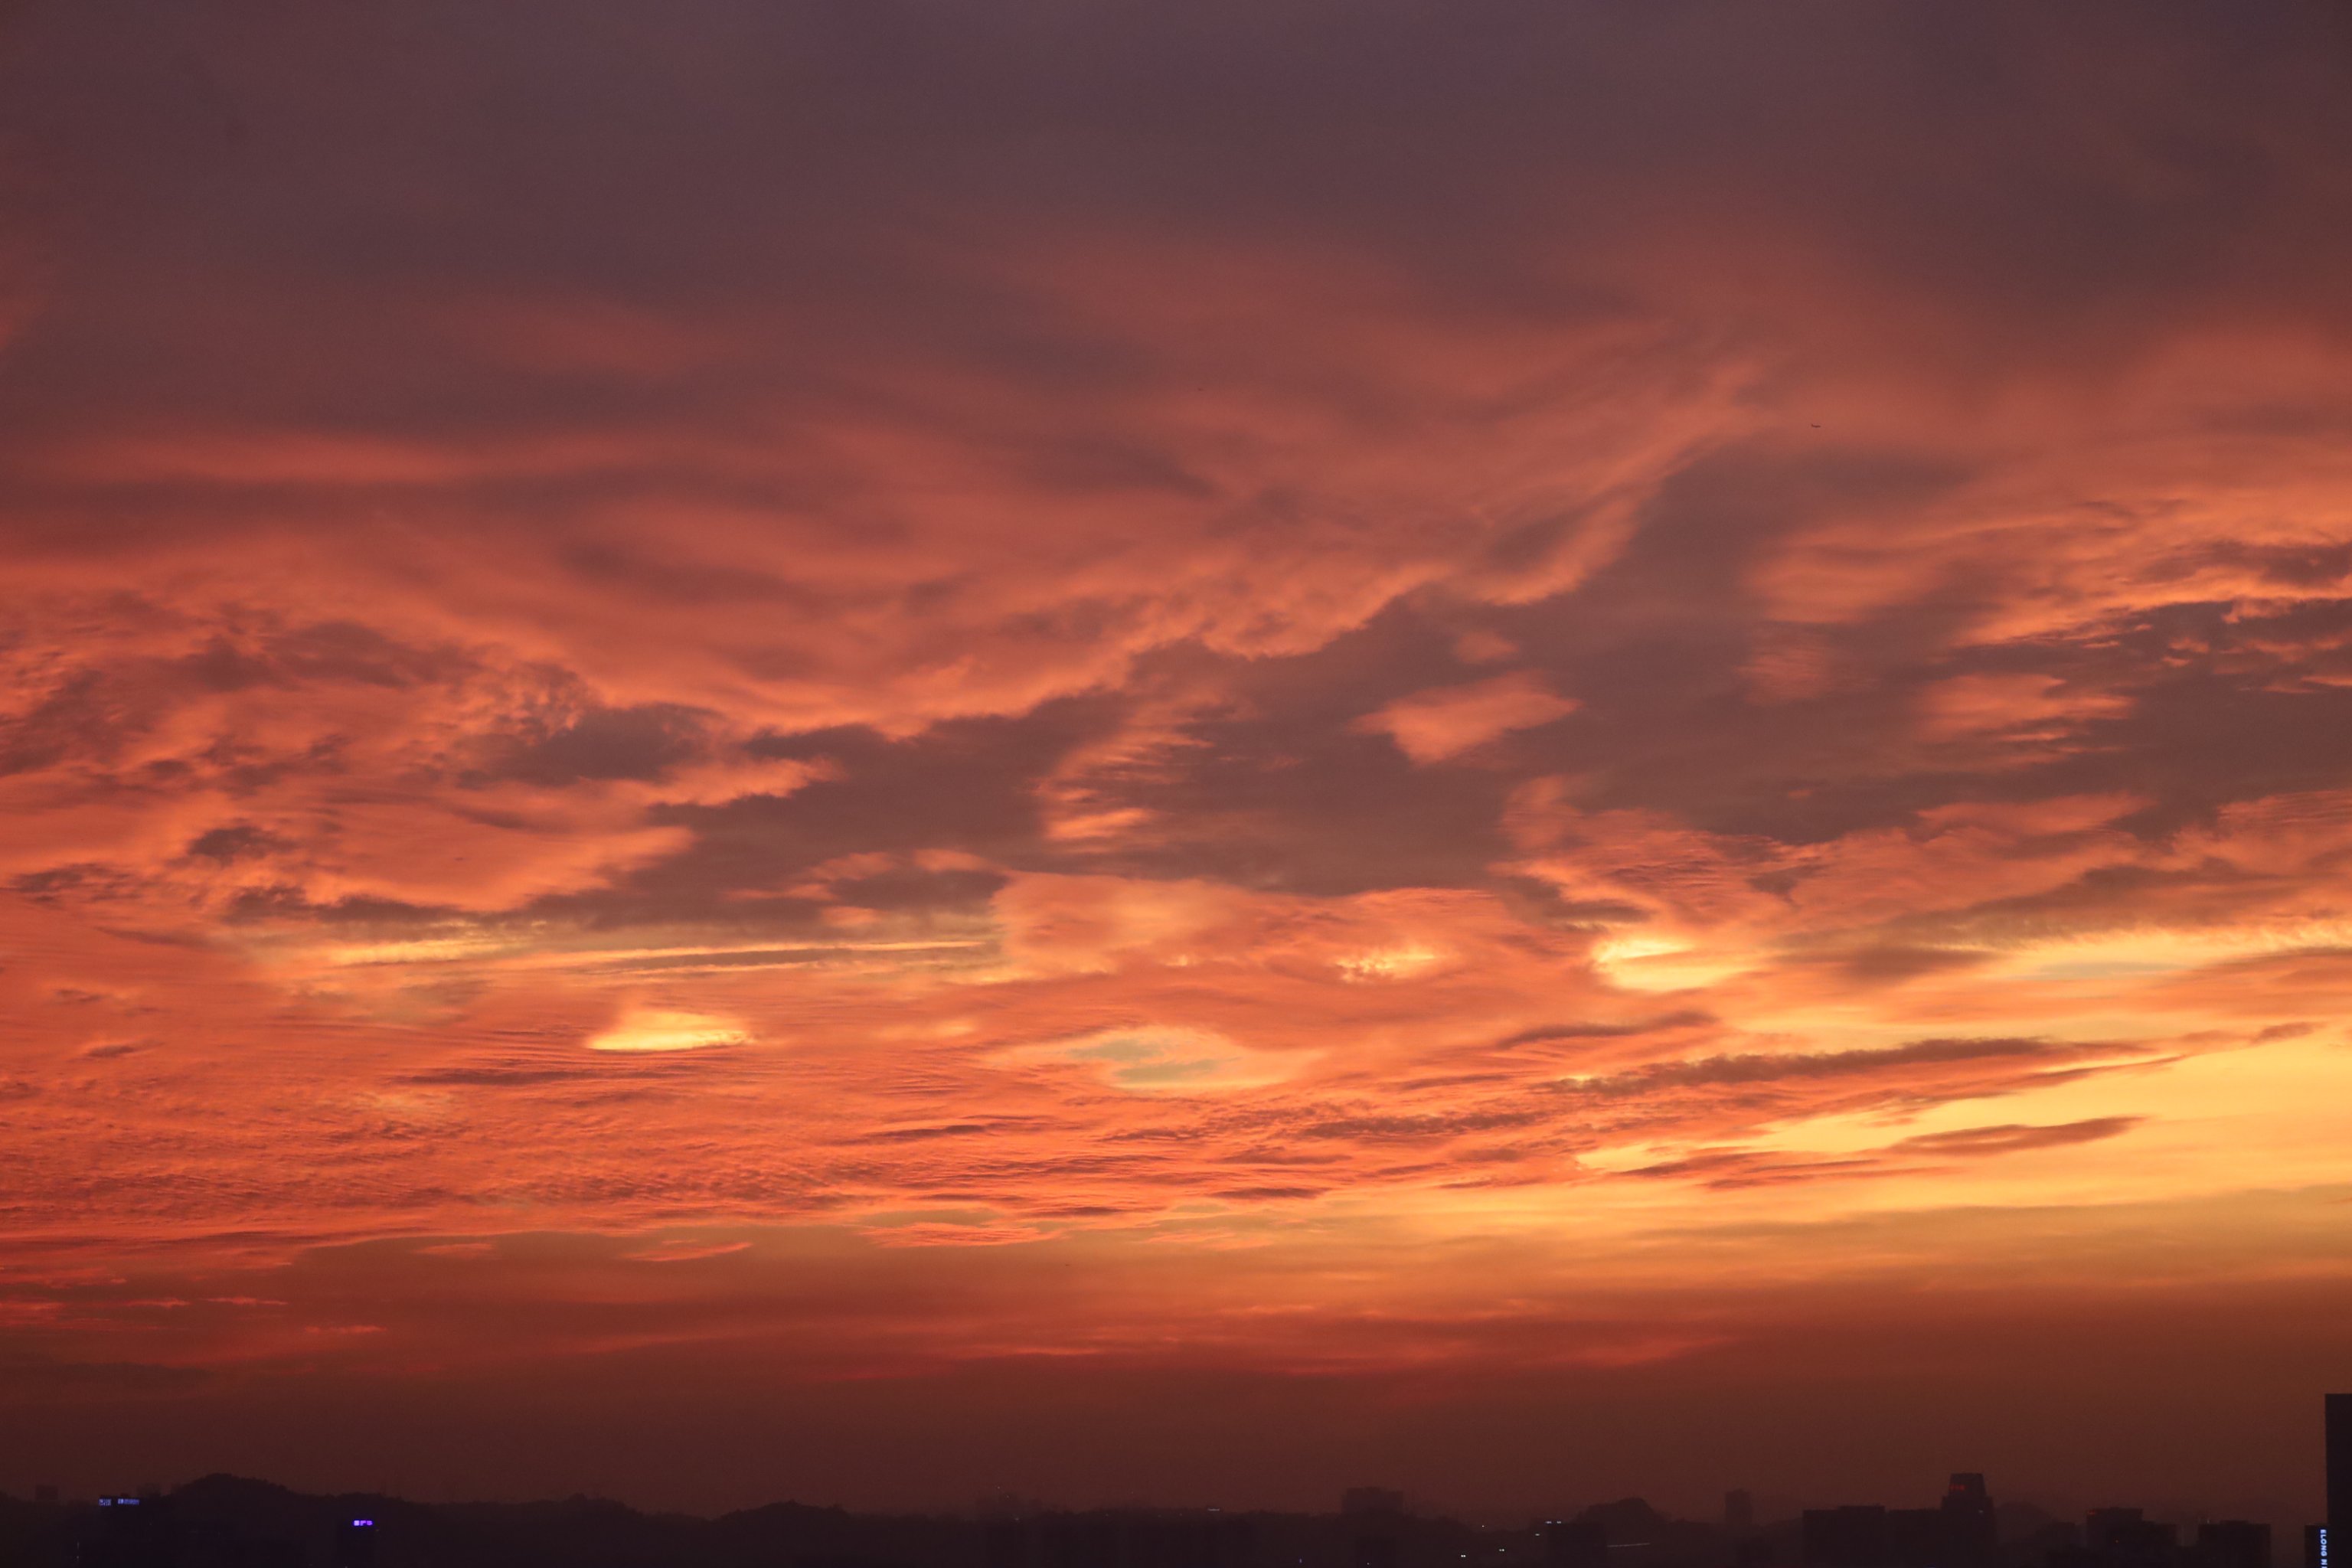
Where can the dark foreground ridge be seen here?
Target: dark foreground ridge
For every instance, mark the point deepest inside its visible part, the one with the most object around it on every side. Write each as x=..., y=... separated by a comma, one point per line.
x=227, y=1522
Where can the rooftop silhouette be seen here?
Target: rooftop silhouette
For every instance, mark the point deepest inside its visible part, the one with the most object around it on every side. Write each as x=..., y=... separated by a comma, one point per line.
x=227, y=1522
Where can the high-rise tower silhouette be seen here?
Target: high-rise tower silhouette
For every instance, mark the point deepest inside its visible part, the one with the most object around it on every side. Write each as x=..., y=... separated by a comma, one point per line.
x=2339, y=1466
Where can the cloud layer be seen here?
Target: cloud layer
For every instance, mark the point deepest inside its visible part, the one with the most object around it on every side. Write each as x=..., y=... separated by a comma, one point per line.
x=1194, y=648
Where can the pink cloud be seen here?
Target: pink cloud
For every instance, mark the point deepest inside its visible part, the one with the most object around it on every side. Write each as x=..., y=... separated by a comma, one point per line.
x=1430, y=726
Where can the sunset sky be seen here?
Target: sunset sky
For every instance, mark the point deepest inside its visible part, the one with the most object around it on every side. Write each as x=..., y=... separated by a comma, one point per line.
x=862, y=749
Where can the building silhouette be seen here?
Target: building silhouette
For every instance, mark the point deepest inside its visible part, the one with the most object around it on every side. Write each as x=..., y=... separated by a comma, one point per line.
x=1959, y=1531
x=224, y=1522
x=1854, y=1536
x=1118, y=1539
x=2125, y=1535
x=1003, y=1544
x=1967, y=1532
x=126, y=1532
x=1374, y=1515
x=2233, y=1543
x=2339, y=1466
x=1575, y=1543
x=1079, y=1541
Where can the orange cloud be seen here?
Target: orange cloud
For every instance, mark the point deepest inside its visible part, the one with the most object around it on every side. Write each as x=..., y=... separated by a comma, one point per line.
x=1430, y=726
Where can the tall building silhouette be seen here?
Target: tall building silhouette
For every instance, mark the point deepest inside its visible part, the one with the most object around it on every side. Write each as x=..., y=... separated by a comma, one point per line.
x=1968, y=1534
x=2339, y=1467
